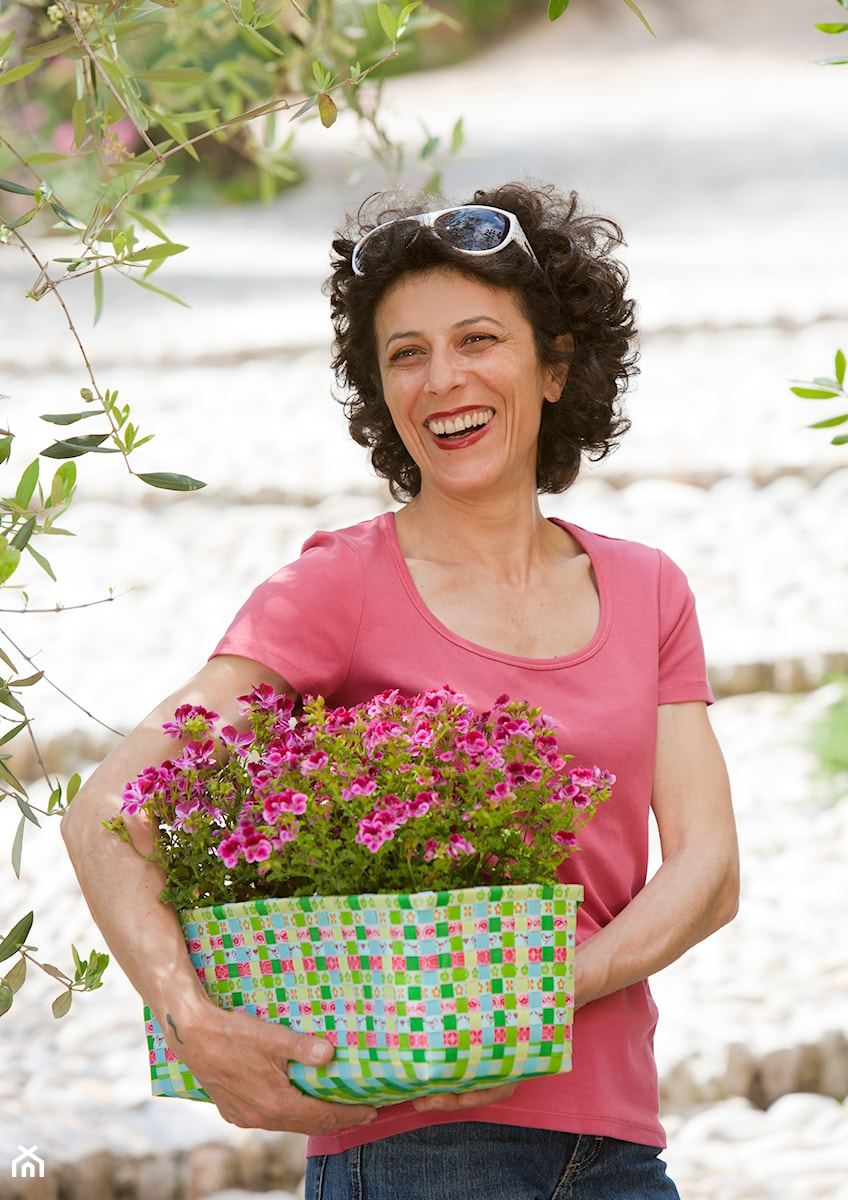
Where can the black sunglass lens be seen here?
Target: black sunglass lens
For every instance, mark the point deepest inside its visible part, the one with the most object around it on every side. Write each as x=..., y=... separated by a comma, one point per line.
x=473, y=228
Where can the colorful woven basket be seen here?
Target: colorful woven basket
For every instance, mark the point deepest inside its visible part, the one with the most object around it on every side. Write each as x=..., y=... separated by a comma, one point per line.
x=421, y=993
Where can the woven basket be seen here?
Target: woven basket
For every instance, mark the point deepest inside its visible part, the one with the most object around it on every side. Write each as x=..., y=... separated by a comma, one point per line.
x=428, y=992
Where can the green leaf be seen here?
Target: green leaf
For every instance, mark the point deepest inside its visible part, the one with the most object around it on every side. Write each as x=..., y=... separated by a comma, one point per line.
x=831, y=62
x=6, y=997
x=634, y=8
x=78, y=115
x=26, y=487
x=24, y=534
x=155, y=253
x=16, y=978
x=152, y=185
x=17, y=849
x=45, y=158
x=42, y=561
x=841, y=440
x=387, y=21
x=6, y=185
x=9, y=562
x=29, y=815
x=74, y=447
x=73, y=786
x=556, y=8
x=160, y=292
x=97, y=279
x=840, y=367
x=68, y=418
x=6, y=42
x=808, y=393
x=14, y=703
x=170, y=482
x=831, y=423
x=62, y=1004
x=18, y=72
x=68, y=218
x=12, y=733
x=457, y=136
x=829, y=28
x=53, y=972
x=16, y=938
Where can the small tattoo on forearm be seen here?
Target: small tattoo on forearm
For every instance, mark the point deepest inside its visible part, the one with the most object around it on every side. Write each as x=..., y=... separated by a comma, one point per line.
x=170, y=1021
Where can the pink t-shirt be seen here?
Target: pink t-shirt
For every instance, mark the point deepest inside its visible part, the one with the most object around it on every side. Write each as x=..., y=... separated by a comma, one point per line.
x=345, y=621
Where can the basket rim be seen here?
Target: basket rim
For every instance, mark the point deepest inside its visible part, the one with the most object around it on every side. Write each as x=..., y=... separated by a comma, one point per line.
x=370, y=900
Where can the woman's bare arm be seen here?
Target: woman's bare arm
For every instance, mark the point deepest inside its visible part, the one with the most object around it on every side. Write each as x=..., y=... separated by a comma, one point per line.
x=696, y=890
x=240, y=1060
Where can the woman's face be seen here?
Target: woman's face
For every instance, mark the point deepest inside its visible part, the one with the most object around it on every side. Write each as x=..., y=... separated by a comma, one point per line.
x=463, y=381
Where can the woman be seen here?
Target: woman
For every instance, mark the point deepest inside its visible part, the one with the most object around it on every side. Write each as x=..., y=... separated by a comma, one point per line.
x=485, y=348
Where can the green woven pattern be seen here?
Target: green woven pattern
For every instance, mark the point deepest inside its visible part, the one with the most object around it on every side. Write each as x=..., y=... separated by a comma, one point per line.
x=419, y=993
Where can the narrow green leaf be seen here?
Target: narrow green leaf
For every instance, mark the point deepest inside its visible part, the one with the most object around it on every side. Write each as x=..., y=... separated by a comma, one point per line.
x=42, y=561
x=387, y=21
x=62, y=1004
x=556, y=8
x=12, y=733
x=830, y=423
x=6, y=42
x=74, y=447
x=74, y=785
x=841, y=440
x=53, y=972
x=98, y=295
x=6, y=185
x=831, y=62
x=6, y=998
x=457, y=137
x=635, y=8
x=78, y=115
x=808, y=393
x=27, y=812
x=170, y=482
x=45, y=158
x=68, y=218
x=68, y=418
x=14, y=703
x=17, y=847
x=830, y=28
x=155, y=253
x=16, y=938
x=840, y=367
x=16, y=978
x=160, y=292
x=23, y=534
x=19, y=72
x=152, y=185
x=26, y=487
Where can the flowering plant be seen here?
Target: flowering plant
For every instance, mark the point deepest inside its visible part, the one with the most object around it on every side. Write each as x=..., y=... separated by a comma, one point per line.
x=393, y=795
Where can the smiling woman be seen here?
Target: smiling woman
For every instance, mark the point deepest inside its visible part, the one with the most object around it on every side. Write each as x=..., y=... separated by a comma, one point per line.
x=485, y=349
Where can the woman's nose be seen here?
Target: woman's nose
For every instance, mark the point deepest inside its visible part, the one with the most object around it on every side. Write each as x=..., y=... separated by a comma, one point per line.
x=444, y=372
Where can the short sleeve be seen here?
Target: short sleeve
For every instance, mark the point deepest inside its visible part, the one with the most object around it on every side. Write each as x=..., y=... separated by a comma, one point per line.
x=682, y=663
x=303, y=621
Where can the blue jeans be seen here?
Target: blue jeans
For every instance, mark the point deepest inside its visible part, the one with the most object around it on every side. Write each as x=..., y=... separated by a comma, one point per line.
x=472, y=1160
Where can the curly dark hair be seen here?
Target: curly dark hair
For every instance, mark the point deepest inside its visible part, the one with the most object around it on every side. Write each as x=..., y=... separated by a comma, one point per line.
x=580, y=289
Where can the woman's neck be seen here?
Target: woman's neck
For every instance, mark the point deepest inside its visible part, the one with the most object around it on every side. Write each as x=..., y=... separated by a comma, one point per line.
x=506, y=535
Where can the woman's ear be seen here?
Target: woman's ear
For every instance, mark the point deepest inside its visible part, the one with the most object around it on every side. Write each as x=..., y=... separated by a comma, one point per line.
x=557, y=375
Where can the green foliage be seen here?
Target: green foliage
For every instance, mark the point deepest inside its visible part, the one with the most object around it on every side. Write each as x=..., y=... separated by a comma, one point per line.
x=834, y=27
x=824, y=388
x=830, y=740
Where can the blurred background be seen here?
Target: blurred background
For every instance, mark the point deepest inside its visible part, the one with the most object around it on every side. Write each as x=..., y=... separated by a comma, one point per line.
x=719, y=146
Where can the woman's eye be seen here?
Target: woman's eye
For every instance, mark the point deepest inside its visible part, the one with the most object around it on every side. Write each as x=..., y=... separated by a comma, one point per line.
x=403, y=353
x=475, y=339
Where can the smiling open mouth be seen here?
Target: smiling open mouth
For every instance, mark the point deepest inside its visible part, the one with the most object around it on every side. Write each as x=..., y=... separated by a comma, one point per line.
x=455, y=427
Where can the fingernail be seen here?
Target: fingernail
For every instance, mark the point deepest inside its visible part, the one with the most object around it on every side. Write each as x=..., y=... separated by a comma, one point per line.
x=318, y=1052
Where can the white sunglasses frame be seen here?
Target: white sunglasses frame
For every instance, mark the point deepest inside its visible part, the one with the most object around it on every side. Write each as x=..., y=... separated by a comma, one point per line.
x=514, y=233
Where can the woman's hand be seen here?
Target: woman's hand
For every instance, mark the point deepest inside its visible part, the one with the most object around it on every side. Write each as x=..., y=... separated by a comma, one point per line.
x=459, y=1101
x=241, y=1062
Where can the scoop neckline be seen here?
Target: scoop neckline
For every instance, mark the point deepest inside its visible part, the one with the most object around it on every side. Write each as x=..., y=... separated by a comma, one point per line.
x=583, y=539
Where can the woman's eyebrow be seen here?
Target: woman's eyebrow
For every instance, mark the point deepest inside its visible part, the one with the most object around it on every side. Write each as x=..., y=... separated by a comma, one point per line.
x=463, y=324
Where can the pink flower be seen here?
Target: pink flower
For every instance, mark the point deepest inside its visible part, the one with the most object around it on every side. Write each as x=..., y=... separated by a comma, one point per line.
x=360, y=786
x=190, y=718
x=238, y=743
x=287, y=801
x=230, y=850
x=314, y=761
x=459, y=845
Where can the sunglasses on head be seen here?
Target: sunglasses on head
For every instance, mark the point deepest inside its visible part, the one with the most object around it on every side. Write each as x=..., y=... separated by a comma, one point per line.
x=471, y=229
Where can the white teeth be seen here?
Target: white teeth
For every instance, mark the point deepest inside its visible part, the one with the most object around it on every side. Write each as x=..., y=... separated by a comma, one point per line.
x=463, y=421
